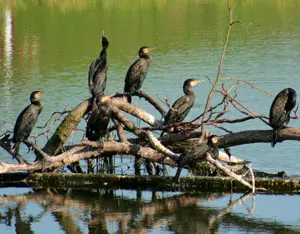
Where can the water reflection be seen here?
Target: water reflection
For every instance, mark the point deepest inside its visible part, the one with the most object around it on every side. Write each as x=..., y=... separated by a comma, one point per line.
x=123, y=211
x=7, y=58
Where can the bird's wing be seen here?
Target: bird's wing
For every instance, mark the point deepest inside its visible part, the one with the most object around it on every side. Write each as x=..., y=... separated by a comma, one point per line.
x=91, y=74
x=135, y=75
x=180, y=109
x=25, y=123
x=97, y=75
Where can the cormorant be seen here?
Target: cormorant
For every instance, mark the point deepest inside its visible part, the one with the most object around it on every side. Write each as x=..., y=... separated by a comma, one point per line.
x=27, y=119
x=195, y=154
x=137, y=72
x=182, y=105
x=97, y=71
x=280, y=111
x=99, y=119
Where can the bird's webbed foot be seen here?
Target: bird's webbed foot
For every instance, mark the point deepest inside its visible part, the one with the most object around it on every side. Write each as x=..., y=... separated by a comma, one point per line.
x=29, y=146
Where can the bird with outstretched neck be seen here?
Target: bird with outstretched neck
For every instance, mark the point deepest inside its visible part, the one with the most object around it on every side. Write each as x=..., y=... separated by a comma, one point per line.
x=191, y=154
x=27, y=120
x=137, y=72
x=99, y=119
x=280, y=111
x=97, y=72
x=182, y=105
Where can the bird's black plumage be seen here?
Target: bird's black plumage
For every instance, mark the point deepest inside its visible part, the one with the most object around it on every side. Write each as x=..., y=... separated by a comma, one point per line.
x=99, y=119
x=197, y=153
x=280, y=110
x=27, y=120
x=182, y=105
x=137, y=72
x=98, y=70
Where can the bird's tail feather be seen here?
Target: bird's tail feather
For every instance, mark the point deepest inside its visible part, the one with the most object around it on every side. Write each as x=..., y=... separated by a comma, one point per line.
x=128, y=98
x=275, y=136
x=17, y=148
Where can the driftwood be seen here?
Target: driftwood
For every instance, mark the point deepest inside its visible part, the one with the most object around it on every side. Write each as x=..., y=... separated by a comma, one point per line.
x=153, y=149
x=157, y=183
x=145, y=145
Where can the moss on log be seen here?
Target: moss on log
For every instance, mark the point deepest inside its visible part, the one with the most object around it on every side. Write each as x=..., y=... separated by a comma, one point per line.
x=197, y=183
x=67, y=126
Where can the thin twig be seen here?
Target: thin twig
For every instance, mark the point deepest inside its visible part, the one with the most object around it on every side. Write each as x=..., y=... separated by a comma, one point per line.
x=250, y=84
x=222, y=128
x=219, y=72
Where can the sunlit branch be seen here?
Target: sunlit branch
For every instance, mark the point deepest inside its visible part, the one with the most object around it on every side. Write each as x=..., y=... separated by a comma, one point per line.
x=218, y=74
x=249, y=83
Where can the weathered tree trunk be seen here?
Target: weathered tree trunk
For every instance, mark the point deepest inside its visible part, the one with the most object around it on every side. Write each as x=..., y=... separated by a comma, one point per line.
x=68, y=125
x=197, y=183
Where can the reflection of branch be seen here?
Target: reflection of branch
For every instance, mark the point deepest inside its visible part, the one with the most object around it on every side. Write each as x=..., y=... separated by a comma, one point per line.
x=240, y=201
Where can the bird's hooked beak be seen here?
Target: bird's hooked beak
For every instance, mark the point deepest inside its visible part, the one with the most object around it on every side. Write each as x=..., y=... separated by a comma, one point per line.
x=38, y=94
x=147, y=50
x=194, y=82
x=104, y=98
x=215, y=140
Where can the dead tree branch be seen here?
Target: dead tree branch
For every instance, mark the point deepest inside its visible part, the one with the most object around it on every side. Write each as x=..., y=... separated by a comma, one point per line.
x=151, y=101
x=218, y=74
x=68, y=125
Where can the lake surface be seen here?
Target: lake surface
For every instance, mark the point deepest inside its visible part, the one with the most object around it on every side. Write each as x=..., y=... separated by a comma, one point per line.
x=49, y=45
x=129, y=211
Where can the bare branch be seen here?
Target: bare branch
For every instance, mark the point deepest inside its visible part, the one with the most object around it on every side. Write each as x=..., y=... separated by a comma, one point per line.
x=123, y=105
x=151, y=101
x=67, y=126
x=249, y=83
x=218, y=74
x=120, y=131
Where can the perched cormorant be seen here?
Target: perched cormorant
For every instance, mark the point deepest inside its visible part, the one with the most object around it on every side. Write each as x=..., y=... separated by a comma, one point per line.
x=99, y=119
x=195, y=154
x=280, y=111
x=27, y=119
x=97, y=72
x=137, y=72
x=182, y=105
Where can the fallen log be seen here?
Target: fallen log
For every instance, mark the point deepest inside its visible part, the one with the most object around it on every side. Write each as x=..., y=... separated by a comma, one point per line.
x=157, y=183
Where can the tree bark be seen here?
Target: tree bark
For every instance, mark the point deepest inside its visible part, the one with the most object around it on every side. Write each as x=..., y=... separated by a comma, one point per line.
x=68, y=125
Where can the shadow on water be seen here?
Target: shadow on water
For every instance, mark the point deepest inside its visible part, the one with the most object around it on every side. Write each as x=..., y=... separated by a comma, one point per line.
x=128, y=211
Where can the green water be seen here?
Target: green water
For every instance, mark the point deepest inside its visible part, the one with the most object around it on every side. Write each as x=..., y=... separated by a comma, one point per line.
x=49, y=45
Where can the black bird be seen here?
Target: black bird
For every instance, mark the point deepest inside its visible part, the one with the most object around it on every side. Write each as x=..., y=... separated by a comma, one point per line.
x=280, y=111
x=27, y=119
x=137, y=72
x=97, y=71
x=182, y=105
x=99, y=119
x=194, y=154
